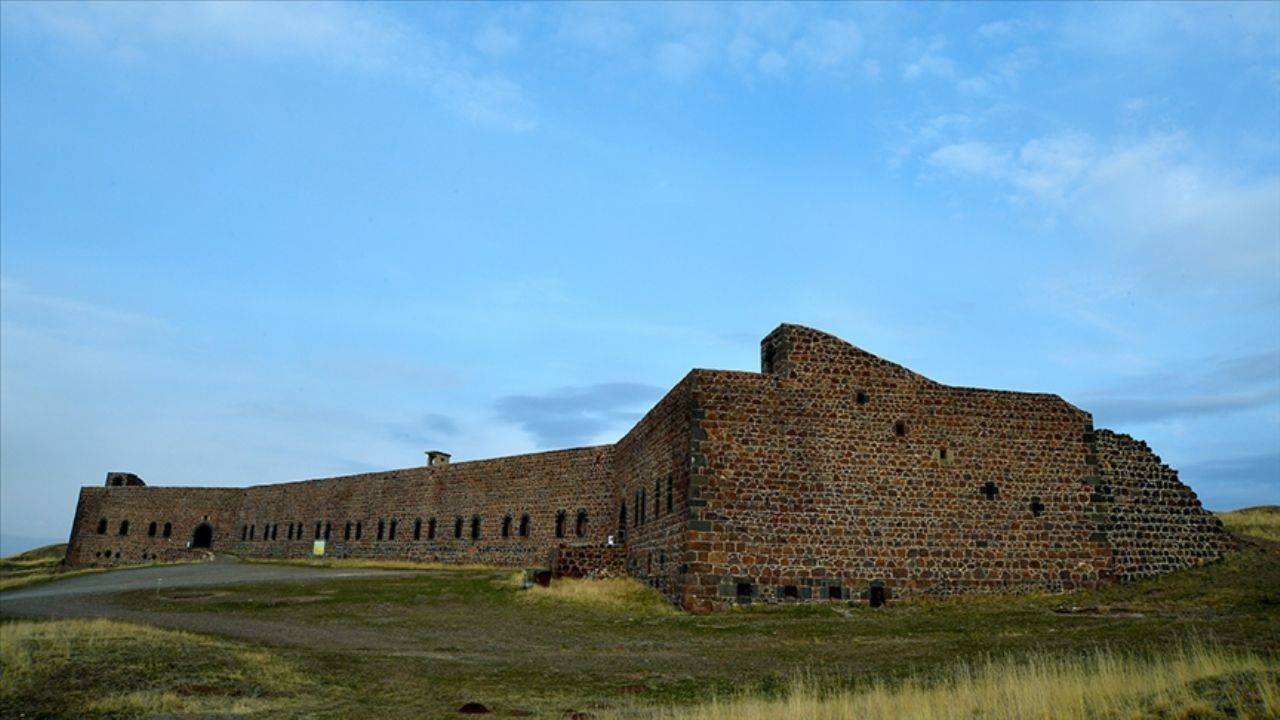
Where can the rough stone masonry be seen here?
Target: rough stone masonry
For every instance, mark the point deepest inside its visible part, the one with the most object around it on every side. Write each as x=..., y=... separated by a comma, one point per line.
x=831, y=474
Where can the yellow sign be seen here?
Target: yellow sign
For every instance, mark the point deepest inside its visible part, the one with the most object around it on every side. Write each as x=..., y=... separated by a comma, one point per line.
x=317, y=548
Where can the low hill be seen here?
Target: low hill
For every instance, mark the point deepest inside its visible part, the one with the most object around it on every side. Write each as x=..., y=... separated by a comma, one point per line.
x=41, y=554
x=1262, y=522
x=31, y=566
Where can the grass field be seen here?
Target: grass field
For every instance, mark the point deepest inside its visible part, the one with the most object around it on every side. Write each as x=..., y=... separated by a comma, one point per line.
x=31, y=567
x=1191, y=682
x=1188, y=645
x=1256, y=522
x=99, y=668
x=42, y=565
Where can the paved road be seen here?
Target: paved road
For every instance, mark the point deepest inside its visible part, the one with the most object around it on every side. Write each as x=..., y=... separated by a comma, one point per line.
x=93, y=596
x=224, y=570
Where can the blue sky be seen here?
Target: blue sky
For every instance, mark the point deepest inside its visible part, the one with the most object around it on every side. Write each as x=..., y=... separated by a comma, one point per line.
x=246, y=243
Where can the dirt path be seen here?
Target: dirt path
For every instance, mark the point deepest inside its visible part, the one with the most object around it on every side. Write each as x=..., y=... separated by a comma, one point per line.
x=92, y=596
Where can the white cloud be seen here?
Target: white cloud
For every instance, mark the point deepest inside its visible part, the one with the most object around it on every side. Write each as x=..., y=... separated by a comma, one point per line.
x=679, y=60
x=598, y=27
x=973, y=158
x=1158, y=31
x=1008, y=28
x=345, y=36
x=682, y=41
x=931, y=63
x=16, y=298
x=497, y=40
x=1146, y=194
x=1003, y=72
x=828, y=44
x=335, y=32
x=772, y=63
x=998, y=29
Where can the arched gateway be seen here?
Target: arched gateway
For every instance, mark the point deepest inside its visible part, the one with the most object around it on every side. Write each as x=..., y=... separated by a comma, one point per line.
x=203, y=536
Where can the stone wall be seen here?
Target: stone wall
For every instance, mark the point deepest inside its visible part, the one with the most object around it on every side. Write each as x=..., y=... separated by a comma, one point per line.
x=839, y=470
x=1152, y=522
x=590, y=561
x=282, y=521
x=652, y=469
x=127, y=525
x=832, y=474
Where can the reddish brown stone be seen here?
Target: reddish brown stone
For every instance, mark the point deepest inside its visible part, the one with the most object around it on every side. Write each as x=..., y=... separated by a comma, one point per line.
x=831, y=472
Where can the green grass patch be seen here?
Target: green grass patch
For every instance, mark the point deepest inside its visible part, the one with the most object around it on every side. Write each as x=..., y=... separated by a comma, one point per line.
x=423, y=643
x=1257, y=522
x=615, y=595
x=44, y=564
x=31, y=567
x=100, y=668
x=1191, y=681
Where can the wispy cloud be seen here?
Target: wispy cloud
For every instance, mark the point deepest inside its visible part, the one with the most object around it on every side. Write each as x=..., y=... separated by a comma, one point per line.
x=1001, y=74
x=1148, y=194
x=344, y=36
x=1008, y=28
x=828, y=44
x=597, y=26
x=579, y=414
x=430, y=428
x=933, y=62
x=1232, y=482
x=497, y=40
x=1164, y=31
x=1147, y=409
x=26, y=305
x=682, y=42
x=1230, y=385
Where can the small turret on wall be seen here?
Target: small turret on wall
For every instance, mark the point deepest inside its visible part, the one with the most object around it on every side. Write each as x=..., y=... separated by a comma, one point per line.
x=124, y=479
x=437, y=457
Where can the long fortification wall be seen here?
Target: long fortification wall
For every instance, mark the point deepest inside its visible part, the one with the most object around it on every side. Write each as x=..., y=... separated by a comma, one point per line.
x=506, y=511
x=832, y=474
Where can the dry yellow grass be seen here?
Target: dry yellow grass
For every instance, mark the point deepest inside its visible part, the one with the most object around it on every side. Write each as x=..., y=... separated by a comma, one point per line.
x=95, y=667
x=1103, y=684
x=21, y=581
x=44, y=564
x=1260, y=522
x=616, y=594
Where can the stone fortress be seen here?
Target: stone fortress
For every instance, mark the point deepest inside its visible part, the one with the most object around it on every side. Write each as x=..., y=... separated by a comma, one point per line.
x=831, y=474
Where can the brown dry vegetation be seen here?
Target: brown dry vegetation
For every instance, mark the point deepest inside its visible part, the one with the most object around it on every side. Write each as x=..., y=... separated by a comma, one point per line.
x=100, y=668
x=423, y=644
x=1194, y=681
x=621, y=595
x=1257, y=522
x=44, y=564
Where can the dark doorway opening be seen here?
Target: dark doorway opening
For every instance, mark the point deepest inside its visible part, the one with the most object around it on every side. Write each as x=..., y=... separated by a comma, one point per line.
x=203, y=536
x=877, y=596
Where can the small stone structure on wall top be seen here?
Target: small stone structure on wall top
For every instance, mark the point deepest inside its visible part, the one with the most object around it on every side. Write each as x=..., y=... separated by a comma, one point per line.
x=831, y=474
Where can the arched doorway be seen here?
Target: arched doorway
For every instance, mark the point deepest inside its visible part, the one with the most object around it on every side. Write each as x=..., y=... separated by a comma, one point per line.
x=203, y=536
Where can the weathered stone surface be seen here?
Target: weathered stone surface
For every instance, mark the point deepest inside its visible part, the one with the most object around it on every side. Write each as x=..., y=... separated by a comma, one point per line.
x=591, y=561
x=832, y=472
